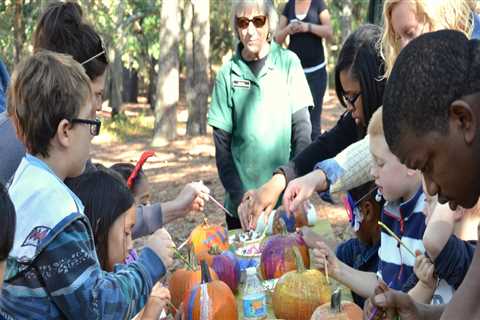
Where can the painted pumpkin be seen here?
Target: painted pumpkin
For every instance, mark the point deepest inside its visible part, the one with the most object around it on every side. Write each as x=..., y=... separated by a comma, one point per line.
x=277, y=256
x=298, y=293
x=338, y=309
x=212, y=299
x=205, y=236
x=227, y=267
x=183, y=280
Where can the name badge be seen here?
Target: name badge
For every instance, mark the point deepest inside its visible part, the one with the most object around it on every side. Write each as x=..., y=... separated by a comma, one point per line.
x=241, y=84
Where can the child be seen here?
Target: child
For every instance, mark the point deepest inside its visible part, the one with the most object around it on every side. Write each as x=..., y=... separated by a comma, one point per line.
x=433, y=126
x=361, y=253
x=7, y=228
x=110, y=208
x=402, y=213
x=140, y=186
x=53, y=271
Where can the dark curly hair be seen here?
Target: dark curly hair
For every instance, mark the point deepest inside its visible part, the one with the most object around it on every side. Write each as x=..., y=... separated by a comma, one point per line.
x=430, y=73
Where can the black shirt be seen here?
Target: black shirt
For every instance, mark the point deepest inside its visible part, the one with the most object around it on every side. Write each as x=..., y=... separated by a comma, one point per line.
x=306, y=45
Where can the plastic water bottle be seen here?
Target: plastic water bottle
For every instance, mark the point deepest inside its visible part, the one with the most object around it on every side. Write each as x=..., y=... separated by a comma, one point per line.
x=254, y=300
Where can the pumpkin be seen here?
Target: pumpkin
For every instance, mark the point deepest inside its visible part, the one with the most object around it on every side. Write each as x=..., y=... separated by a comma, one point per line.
x=205, y=236
x=212, y=299
x=227, y=267
x=297, y=293
x=277, y=256
x=338, y=309
x=183, y=280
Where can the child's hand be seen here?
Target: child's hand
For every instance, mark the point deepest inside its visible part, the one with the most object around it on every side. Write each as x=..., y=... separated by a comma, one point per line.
x=192, y=197
x=161, y=243
x=300, y=189
x=159, y=297
x=322, y=254
x=424, y=270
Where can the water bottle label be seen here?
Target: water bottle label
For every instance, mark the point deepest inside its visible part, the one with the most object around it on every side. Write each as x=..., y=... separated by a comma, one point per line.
x=255, y=306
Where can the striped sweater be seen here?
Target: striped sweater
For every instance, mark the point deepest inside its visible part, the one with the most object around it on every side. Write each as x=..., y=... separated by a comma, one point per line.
x=53, y=270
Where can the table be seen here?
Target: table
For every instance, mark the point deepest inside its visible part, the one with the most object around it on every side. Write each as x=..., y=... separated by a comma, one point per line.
x=324, y=228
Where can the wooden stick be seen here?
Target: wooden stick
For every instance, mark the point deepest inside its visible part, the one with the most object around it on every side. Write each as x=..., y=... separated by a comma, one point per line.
x=396, y=238
x=325, y=262
x=179, y=255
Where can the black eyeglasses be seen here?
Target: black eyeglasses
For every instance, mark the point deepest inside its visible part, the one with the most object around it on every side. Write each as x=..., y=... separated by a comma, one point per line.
x=351, y=100
x=94, y=125
x=258, y=21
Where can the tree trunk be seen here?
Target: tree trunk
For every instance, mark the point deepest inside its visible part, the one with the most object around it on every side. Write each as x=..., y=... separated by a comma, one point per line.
x=152, y=83
x=18, y=31
x=346, y=19
x=130, y=85
x=188, y=58
x=197, y=116
x=168, y=75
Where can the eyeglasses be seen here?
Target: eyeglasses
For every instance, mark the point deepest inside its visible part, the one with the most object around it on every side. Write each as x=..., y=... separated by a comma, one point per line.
x=244, y=22
x=351, y=100
x=94, y=125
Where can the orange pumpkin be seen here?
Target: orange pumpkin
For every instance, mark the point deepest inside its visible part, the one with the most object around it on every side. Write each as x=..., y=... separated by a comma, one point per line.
x=338, y=309
x=277, y=256
x=211, y=296
x=206, y=236
x=183, y=280
x=297, y=293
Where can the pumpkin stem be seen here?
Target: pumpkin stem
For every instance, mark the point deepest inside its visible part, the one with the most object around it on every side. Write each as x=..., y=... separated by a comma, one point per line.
x=180, y=256
x=214, y=250
x=336, y=301
x=206, y=276
x=298, y=259
x=205, y=221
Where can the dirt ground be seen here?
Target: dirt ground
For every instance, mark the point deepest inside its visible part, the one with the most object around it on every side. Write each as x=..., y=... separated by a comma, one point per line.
x=192, y=159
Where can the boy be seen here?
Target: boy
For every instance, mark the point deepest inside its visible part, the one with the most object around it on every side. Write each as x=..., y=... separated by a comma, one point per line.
x=402, y=213
x=364, y=210
x=7, y=228
x=433, y=126
x=53, y=271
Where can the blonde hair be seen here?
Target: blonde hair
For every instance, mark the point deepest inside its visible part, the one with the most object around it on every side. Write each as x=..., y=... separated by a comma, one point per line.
x=375, y=127
x=436, y=14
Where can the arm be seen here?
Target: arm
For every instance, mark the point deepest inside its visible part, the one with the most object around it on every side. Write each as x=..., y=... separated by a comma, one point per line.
x=439, y=229
x=283, y=30
x=301, y=130
x=360, y=282
x=464, y=304
x=226, y=167
x=425, y=287
x=325, y=29
x=71, y=274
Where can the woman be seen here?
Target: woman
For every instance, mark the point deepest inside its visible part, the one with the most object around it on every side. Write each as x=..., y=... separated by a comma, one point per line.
x=307, y=22
x=259, y=106
x=360, y=90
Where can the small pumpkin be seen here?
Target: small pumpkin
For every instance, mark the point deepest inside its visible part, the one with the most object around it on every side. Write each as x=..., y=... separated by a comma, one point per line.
x=277, y=256
x=205, y=236
x=227, y=267
x=297, y=219
x=212, y=299
x=184, y=279
x=338, y=309
x=297, y=293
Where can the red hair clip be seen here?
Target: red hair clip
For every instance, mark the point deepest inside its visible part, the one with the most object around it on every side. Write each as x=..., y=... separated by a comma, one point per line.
x=145, y=155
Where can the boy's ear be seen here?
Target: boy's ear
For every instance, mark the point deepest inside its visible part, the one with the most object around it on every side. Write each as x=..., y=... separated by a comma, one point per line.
x=462, y=116
x=64, y=133
x=367, y=208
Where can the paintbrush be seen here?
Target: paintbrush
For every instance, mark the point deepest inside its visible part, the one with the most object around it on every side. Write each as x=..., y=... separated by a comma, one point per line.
x=396, y=238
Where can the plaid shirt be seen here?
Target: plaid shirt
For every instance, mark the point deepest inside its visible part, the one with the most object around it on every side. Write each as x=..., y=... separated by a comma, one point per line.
x=62, y=279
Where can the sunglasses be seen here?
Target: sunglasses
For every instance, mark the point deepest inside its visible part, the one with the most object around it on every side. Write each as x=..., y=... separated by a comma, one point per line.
x=244, y=22
x=94, y=125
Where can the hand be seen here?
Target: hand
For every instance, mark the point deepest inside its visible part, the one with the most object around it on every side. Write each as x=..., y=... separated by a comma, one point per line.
x=292, y=27
x=303, y=26
x=260, y=200
x=424, y=270
x=159, y=297
x=322, y=254
x=300, y=189
x=390, y=304
x=192, y=197
x=161, y=243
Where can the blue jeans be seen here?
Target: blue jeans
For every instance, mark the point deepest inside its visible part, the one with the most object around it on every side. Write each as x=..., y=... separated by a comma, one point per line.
x=317, y=81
